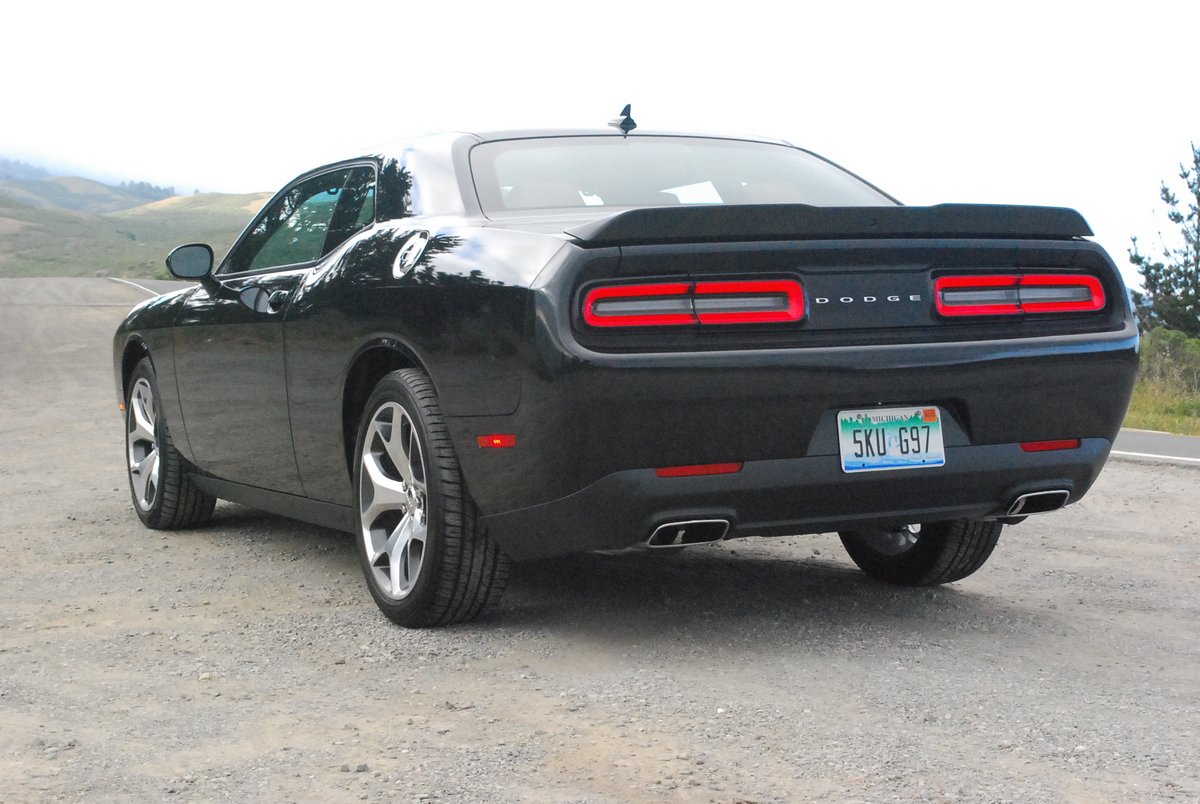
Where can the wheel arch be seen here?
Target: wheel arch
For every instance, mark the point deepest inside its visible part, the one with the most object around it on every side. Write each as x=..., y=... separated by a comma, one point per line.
x=373, y=361
x=135, y=350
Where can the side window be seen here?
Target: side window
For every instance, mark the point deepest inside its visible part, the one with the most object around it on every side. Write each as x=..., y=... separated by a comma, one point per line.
x=294, y=228
x=356, y=207
x=308, y=221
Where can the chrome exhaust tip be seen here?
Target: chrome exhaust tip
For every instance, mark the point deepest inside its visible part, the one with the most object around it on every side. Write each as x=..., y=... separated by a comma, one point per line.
x=693, y=531
x=1038, y=502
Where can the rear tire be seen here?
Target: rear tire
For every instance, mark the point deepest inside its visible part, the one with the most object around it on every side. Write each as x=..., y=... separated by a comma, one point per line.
x=426, y=560
x=923, y=555
x=164, y=496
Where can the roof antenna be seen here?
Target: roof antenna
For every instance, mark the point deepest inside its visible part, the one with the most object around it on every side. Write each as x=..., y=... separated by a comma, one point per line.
x=624, y=122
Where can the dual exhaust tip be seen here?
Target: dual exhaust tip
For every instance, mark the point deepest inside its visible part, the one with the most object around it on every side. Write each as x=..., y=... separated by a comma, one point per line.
x=1038, y=502
x=692, y=531
x=705, y=531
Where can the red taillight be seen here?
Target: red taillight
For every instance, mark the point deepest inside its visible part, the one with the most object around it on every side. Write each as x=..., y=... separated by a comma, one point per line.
x=978, y=295
x=663, y=304
x=1050, y=446
x=756, y=301
x=1014, y=294
x=699, y=469
x=497, y=441
x=666, y=304
x=1061, y=293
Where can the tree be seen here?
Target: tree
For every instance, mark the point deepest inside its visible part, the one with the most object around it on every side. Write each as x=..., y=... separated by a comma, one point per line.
x=1172, y=286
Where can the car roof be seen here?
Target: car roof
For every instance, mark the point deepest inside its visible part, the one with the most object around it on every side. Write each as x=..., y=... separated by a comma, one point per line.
x=534, y=133
x=445, y=141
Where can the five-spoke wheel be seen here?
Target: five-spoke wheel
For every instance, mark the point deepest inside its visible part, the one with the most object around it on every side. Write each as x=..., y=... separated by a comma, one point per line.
x=392, y=500
x=142, y=444
x=164, y=495
x=426, y=559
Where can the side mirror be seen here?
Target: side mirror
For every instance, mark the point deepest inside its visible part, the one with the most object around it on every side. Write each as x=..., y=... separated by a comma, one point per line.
x=193, y=261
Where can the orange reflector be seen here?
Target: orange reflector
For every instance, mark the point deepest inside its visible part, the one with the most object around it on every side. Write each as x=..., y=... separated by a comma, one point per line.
x=1050, y=446
x=121, y=406
x=497, y=441
x=699, y=469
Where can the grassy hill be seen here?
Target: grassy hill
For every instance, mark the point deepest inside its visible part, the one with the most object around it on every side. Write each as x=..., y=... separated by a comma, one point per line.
x=42, y=235
x=71, y=193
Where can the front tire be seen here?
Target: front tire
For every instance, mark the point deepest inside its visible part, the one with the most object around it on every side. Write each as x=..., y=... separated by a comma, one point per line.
x=426, y=560
x=164, y=496
x=923, y=555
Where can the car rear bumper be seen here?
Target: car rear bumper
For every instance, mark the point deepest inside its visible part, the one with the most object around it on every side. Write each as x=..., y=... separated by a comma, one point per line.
x=794, y=495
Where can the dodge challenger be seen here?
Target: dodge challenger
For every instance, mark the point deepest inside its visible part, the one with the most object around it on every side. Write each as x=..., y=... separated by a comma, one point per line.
x=478, y=348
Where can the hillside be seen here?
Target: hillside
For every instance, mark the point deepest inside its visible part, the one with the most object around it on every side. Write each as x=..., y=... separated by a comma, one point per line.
x=73, y=193
x=42, y=238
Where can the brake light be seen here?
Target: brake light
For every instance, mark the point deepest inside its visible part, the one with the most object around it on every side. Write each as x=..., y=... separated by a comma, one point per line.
x=758, y=301
x=1015, y=294
x=666, y=304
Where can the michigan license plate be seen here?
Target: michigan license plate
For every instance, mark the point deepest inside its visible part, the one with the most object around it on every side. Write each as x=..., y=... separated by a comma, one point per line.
x=878, y=439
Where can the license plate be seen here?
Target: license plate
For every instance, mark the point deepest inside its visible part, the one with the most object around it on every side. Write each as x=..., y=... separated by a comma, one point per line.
x=879, y=439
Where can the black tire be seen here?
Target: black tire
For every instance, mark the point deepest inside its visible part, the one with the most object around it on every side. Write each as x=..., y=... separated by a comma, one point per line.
x=936, y=553
x=164, y=496
x=426, y=560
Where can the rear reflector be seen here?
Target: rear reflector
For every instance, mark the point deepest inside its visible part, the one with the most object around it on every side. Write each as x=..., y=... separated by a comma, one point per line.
x=497, y=440
x=698, y=469
x=667, y=304
x=1050, y=446
x=1015, y=294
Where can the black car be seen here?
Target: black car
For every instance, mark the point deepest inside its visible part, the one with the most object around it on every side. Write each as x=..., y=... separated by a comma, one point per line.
x=484, y=347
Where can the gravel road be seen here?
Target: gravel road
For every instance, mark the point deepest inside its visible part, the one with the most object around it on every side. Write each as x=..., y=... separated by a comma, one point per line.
x=245, y=661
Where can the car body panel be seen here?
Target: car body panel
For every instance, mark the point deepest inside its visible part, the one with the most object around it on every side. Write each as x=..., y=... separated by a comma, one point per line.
x=264, y=402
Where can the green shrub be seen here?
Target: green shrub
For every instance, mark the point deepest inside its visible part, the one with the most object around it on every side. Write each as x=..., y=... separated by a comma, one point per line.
x=1167, y=395
x=1171, y=358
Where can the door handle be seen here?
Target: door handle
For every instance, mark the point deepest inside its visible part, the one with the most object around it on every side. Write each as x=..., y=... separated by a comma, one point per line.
x=277, y=300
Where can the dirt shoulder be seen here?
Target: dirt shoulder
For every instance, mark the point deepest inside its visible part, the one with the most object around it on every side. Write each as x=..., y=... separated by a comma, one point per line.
x=245, y=660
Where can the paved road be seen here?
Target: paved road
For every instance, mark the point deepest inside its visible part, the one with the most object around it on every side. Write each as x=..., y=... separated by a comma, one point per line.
x=1150, y=445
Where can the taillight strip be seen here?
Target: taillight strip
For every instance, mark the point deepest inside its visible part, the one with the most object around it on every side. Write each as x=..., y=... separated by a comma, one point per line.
x=1015, y=294
x=1061, y=293
x=978, y=295
x=659, y=304
x=755, y=301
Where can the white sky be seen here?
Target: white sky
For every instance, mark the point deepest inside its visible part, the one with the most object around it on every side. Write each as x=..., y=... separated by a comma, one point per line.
x=1028, y=103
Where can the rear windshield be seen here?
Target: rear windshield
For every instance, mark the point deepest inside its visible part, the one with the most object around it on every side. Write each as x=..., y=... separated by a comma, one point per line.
x=642, y=171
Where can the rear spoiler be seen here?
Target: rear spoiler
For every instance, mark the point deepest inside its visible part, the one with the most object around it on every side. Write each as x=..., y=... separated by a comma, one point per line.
x=694, y=224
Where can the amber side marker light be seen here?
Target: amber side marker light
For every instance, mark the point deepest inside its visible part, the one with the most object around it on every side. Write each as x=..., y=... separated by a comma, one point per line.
x=121, y=406
x=1050, y=446
x=497, y=441
x=699, y=469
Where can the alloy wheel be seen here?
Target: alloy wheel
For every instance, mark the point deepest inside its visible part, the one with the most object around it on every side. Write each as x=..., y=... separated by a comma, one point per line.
x=393, y=501
x=142, y=445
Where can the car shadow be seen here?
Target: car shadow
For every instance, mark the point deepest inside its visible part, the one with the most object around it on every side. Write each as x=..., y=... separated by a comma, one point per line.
x=727, y=590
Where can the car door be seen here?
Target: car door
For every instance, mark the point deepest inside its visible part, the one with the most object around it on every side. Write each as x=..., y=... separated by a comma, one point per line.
x=229, y=347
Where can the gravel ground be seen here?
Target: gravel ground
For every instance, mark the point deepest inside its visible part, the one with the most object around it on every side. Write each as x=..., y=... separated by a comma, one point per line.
x=245, y=661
